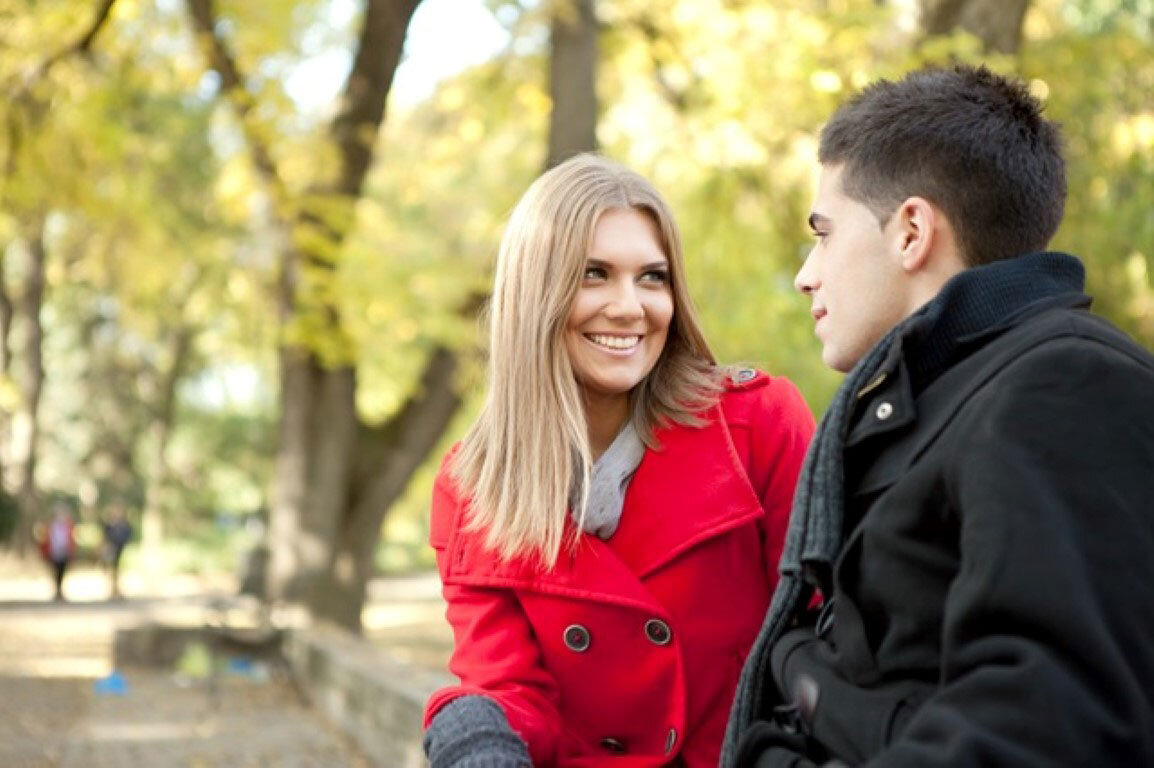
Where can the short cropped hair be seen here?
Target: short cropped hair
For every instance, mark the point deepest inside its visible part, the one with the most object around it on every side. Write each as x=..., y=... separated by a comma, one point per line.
x=972, y=142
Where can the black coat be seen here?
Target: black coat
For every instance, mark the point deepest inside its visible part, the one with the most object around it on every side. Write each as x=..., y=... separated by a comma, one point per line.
x=993, y=604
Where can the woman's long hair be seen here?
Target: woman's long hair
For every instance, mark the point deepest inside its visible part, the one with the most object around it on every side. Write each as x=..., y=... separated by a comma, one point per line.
x=527, y=457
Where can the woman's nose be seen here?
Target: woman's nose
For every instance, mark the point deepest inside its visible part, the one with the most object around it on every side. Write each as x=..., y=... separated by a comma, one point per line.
x=624, y=302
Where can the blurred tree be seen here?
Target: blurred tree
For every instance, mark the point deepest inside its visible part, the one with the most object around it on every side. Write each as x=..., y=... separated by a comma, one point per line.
x=121, y=160
x=27, y=110
x=572, y=79
x=1091, y=62
x=26, y=421
x=7, y=399
x=997, y=23
x=323, y=525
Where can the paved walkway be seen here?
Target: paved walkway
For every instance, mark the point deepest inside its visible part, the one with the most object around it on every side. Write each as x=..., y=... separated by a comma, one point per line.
x=53, y=713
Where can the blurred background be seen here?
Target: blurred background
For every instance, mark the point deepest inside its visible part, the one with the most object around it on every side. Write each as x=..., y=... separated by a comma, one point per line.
x=243, y=244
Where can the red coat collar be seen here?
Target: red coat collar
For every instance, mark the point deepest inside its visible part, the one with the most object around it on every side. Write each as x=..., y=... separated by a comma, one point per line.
x=693, y=488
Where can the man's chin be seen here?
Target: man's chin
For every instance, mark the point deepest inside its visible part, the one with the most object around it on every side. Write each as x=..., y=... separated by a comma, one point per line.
x=836, y=361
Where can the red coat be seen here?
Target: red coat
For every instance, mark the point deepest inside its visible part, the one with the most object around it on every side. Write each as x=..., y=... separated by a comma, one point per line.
x=627, y=653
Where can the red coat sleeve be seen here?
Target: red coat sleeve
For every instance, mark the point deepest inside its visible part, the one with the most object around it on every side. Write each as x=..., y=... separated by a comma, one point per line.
x=495, y=652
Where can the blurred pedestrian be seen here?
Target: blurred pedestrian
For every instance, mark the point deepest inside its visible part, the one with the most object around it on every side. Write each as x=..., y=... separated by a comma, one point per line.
x=58, y=544
x=117, y=534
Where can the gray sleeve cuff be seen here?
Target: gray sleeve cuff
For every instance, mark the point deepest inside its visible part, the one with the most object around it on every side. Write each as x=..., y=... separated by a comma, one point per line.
x=472, y=732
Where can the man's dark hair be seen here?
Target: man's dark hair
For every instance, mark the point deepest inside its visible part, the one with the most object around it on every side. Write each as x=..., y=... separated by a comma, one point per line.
x=972, y=142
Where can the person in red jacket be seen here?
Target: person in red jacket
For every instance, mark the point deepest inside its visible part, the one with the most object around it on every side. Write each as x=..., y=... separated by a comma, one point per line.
x=608, y=531
x=58, y=545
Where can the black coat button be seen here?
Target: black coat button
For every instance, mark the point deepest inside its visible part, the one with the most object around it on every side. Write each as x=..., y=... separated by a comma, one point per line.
x=613, y=745
x=576, y=638
x=658, y=632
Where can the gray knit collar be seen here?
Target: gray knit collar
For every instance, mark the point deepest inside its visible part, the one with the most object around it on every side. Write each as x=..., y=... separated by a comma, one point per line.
x=609, y=480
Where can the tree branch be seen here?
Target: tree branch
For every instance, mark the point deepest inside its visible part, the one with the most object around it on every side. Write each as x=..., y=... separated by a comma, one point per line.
x=362, y=106
x=222, y=60
x=676, y=96
x=80, y=46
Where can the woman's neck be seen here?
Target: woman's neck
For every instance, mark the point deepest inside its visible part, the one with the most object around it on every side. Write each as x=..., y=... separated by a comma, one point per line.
x=606, y=415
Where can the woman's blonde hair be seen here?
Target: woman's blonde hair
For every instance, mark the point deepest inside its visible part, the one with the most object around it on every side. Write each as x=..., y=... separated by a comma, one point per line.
x=527, y=457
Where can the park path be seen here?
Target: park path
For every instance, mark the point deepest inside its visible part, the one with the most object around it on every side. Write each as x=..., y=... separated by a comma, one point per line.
x=55, y=712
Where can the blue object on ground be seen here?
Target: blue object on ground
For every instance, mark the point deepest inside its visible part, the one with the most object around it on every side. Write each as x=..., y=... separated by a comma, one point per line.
x=240, y=666
x=113, y=685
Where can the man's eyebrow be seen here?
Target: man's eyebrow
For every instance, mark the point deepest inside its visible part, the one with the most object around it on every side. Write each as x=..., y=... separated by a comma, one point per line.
x=816, y=219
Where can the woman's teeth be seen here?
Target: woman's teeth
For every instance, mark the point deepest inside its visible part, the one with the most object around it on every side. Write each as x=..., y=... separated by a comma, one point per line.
x=615, y=342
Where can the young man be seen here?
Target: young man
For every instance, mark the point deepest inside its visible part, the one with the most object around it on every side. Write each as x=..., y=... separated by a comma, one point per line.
x=977, y=510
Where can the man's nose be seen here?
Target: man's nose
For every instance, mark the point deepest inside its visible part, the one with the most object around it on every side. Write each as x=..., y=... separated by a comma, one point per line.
x=805, y=281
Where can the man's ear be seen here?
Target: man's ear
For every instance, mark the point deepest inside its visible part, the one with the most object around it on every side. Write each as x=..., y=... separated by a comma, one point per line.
x=916, y=222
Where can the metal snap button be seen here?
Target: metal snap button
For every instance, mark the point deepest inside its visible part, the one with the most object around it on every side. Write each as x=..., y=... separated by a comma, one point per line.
x=884, y=411
x=576, y=638
x=670, y=740
x=613, y=745
x=658, y=632
x=744, y=375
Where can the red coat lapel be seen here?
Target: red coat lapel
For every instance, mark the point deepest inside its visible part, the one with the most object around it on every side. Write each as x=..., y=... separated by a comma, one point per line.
x=694, y=487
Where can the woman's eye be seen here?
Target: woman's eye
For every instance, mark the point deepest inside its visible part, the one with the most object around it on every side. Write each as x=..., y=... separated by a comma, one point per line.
x=656, y=276
x=594, y=273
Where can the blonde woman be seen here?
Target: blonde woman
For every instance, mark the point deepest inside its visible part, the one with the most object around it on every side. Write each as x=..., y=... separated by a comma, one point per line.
x=608, y=530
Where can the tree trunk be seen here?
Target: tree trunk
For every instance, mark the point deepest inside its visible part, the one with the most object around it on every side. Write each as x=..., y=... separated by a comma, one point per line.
x=997, y=23
x=386, y=458
x=7, y=311
x=164, y=416
x=26, y=421
x=313, y=467
x=318, y=430
x=572, y=80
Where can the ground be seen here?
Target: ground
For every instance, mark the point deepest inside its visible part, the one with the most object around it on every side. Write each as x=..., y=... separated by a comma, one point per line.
x=60, y=706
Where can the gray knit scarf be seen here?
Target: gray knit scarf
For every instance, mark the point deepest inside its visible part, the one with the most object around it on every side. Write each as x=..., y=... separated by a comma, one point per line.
x=608, y=482
x=814, y=537
x=973, y=300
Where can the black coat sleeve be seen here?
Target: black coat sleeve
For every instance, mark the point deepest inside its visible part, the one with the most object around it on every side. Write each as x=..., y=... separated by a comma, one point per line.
x=1047, y=650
